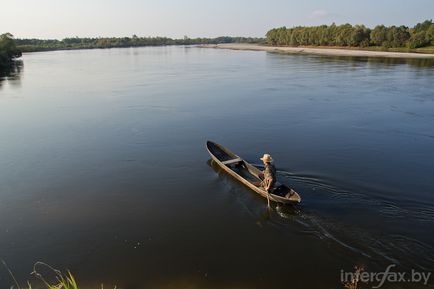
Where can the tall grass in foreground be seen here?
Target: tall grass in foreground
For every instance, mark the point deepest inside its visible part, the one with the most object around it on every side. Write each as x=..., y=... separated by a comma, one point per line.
x=63, y=280
x=60, y=281
x=354, y=282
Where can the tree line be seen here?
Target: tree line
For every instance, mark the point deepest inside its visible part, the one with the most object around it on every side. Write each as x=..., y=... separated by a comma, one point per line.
x=8, y=51
x=29, y=45
x=421, y=35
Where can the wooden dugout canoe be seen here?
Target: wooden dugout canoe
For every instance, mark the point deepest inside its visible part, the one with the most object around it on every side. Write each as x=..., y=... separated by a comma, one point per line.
x=248, y=174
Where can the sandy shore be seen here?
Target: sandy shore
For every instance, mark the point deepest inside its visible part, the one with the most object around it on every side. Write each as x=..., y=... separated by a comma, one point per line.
x=319, y=51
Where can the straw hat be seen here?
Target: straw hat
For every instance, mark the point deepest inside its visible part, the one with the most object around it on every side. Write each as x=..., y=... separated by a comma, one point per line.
x=266, y=158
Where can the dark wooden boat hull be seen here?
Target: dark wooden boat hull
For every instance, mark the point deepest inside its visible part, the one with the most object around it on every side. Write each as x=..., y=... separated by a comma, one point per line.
x=247, y=174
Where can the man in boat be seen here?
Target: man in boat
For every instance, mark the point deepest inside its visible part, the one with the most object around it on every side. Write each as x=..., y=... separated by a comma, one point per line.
x=268, y=175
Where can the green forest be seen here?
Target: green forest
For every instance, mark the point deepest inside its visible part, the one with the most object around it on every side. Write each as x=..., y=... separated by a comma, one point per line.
x=29, y=45
x=8, y=51
x=421, y=35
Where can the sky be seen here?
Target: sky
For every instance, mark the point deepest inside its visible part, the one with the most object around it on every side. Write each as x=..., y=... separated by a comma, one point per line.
x=50, y=19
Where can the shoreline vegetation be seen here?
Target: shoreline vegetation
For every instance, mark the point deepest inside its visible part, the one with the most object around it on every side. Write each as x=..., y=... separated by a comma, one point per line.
x=334, y=40
x=35, y=45
x=8, y=52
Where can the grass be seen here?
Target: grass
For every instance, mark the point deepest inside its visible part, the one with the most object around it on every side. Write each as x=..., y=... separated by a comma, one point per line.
x=63, y=280
x=354, y=282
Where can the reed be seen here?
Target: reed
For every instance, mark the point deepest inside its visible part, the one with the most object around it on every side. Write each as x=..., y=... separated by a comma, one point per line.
x=354, y=282
x=61, y=280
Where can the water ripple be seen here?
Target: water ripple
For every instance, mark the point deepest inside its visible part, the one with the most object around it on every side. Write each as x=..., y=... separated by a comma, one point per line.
x=392, y=248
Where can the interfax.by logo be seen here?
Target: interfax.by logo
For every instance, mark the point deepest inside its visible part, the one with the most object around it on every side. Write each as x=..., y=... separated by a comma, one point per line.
x=351, y=279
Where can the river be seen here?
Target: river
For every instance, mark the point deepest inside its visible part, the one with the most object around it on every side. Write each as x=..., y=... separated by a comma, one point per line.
x=104, y=169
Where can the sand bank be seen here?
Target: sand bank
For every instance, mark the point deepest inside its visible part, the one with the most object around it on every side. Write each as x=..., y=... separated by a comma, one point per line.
x=318, y=51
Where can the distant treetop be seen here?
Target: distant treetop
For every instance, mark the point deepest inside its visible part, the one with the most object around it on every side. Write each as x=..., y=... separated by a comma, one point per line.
x=422, y=34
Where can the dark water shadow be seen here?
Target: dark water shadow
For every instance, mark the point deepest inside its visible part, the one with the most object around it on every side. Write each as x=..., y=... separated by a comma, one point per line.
x=12, y=74
x=363, y=60
x=384, y=61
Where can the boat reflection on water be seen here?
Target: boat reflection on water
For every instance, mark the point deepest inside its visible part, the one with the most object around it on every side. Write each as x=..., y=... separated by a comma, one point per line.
x=263, y=213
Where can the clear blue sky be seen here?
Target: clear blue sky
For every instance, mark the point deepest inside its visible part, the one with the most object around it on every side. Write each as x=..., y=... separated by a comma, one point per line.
x=194, y=18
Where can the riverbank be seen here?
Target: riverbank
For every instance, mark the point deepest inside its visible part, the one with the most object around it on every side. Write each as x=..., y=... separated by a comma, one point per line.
x=35, y=45
x=320, y=51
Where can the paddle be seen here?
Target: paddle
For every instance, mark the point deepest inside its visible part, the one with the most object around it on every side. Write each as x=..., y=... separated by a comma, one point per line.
x=268, y=193
x=268, y=198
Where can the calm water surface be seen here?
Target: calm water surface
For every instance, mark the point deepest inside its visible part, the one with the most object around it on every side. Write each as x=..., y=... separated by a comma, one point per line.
x=104, y=169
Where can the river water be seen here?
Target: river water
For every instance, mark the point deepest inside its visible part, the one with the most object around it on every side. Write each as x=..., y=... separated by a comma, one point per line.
x=104, y=169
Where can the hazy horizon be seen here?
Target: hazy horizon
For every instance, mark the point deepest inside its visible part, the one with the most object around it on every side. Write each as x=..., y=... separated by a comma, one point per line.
x=47, y=19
